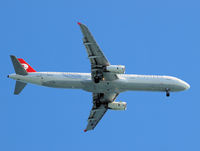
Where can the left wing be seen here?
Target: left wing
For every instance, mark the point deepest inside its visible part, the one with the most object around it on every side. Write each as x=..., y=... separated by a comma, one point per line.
x=95, y=116
x=99, y=108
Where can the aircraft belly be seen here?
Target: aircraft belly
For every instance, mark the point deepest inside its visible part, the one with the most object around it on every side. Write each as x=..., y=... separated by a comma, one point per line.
x=147, y=85
x=73, y=84
x=101, y=87
x=27, y=79
x=144, y=87
x=121, y=85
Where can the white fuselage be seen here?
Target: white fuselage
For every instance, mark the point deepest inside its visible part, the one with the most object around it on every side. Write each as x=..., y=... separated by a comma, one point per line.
x=125, y=82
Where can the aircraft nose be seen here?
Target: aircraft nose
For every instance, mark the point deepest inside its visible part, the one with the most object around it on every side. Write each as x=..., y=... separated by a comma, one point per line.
x=185, y=85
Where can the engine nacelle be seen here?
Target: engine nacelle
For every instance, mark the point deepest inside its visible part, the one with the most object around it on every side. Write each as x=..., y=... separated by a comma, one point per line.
x=116, y=68
x=117, y=105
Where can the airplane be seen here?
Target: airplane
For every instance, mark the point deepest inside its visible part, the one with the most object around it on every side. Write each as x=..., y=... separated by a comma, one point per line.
x=105, y=81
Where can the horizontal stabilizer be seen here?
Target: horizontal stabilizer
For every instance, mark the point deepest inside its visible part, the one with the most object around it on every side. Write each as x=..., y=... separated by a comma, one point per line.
x=17, y=66
x=19, y=86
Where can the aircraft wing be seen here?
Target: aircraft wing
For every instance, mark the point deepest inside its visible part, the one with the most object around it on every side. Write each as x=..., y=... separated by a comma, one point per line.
x=98, y=63
x=99, y=108
x=95, y=54
x=95, y=116
x=97, y=59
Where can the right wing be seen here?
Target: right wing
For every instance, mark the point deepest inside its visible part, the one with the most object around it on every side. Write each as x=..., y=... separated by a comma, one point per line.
x=95, y=54
x=97, y=58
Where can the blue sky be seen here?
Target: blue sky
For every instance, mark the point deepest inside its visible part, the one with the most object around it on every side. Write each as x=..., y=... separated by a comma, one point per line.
x=148, y=37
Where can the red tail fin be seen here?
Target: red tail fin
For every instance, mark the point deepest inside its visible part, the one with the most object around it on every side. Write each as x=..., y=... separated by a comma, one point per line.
x=26, y=66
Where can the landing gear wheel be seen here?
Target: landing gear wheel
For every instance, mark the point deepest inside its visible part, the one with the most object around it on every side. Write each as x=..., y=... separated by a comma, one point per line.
x=96, y=79
x=98, y=103
x=167, y=93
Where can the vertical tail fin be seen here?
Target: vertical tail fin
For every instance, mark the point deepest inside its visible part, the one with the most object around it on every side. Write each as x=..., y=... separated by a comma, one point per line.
x=25, y=65
x=19, y=69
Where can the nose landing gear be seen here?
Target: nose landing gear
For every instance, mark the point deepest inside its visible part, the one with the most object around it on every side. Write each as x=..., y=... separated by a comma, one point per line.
x=167, y=92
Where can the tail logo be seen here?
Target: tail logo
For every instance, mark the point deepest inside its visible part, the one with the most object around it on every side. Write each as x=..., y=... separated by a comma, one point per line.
x=25, y=66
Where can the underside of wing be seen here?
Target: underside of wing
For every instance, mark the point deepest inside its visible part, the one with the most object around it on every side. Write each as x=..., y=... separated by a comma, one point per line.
x=95, y=116
x=95, y=54
x=99, y=108
x=97, y=58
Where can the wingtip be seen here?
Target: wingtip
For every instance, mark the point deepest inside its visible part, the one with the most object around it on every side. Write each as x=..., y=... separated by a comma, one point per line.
x=78, y=23
x=85, y=130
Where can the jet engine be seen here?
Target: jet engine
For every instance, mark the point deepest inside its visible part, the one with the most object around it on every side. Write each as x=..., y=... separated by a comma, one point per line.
x=116, y=69
x=117, y=105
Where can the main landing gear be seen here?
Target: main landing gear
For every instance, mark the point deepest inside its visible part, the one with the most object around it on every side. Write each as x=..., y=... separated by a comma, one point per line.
x=97, y=76
x=97, y=101
x=167, y=92
x=96, y=79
